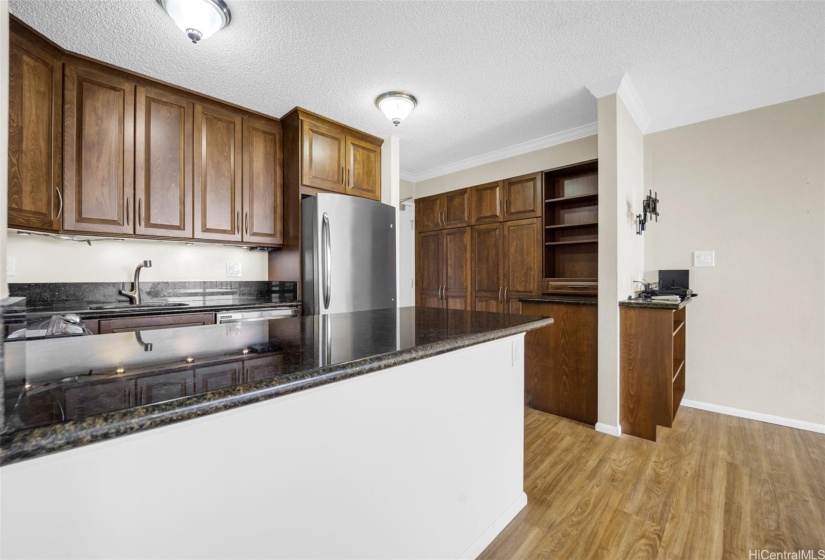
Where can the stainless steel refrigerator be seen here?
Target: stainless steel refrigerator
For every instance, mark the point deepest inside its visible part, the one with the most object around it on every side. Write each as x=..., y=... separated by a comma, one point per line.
x=348, y=246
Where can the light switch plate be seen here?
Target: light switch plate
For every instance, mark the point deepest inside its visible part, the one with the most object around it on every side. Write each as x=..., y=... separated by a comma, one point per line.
x=233, y=270
x=703, y=258
x=11, y=266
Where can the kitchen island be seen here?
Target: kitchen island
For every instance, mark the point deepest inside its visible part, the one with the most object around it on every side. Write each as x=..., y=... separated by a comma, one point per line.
x=379, y=434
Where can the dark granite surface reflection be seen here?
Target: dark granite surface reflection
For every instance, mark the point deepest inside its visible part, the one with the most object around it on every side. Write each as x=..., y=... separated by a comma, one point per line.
x=74, y=391
x=655, y=304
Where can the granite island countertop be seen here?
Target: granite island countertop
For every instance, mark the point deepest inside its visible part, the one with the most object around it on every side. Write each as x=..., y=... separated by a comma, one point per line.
x=655, y=304
x=63, y=393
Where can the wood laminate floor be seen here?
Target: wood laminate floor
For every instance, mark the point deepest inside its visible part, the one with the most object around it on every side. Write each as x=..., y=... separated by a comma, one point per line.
x=713, y=486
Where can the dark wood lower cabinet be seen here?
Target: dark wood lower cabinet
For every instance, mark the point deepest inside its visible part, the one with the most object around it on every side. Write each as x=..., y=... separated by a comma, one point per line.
x=222, y=376
x=259, y=369
x=131, y=324
x=99, y=398
x=165, y=387
x=560, y=361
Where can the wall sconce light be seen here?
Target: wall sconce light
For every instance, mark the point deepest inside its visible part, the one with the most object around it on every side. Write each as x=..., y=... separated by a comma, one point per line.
x=199, y=19
x=396, y=105
x=650, y=208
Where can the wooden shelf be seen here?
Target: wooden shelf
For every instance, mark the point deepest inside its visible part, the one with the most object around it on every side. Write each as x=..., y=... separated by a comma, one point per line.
x=682, y=324
x=679, y=370
x=576, y=198
x=571, y=226
x=558, y=243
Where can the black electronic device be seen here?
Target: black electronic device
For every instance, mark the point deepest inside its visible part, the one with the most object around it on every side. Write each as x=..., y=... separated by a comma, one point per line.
x=676, y=282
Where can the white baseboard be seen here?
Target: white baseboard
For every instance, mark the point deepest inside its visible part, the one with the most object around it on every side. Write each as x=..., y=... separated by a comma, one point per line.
x=482, y=542
x=769, y=418
x=608, y=429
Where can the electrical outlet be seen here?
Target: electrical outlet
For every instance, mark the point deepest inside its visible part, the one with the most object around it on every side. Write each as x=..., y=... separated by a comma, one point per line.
x=233, y=270
x=703, y=258
x=11, y=266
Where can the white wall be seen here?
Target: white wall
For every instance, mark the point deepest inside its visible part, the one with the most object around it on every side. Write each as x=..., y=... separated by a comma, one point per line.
x=547, y=158
x=407, y=189
x=44, y=259
x=4, y=140
x=378, y=466
x=751, y=187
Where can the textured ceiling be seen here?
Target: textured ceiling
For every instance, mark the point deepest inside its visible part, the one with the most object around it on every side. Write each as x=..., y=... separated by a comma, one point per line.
x=488, y=75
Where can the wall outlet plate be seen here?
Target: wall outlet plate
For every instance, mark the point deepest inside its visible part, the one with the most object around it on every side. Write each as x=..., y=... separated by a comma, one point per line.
x=11, y=266
x=703, y=258
x=233, y=270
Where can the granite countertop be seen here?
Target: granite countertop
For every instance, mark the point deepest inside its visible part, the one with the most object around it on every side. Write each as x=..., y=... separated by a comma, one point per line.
x=654, y=304
x=63, y=393
x=571, y=300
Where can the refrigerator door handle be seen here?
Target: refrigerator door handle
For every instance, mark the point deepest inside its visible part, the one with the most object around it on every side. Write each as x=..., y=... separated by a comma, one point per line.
x=326, y=258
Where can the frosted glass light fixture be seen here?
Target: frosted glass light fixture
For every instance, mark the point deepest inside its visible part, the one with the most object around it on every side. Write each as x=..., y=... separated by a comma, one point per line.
x=396, y=105
x=199, y=19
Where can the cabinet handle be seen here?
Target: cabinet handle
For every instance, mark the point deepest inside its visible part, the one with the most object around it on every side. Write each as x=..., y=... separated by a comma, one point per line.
x=60, y=199
x=140, y=212
x=127, y=210
x=246, y=222
x=443, y=214
x=237, y=222
x=351, y=178
x=506, y=288
x=499, y=293
x=342, y=176
x=505, y=206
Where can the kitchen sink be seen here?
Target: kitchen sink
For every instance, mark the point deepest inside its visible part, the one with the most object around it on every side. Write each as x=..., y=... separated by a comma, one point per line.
x=126, y=306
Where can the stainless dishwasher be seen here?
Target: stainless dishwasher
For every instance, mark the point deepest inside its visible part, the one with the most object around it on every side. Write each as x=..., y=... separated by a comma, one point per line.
x=256, y=315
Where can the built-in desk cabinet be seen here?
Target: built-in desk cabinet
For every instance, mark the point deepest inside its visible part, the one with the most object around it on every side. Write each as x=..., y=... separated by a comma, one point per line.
x=652, y=367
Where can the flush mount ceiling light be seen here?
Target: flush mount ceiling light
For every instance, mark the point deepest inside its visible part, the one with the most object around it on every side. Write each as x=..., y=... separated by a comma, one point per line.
x=396, y=105
x=199, y=19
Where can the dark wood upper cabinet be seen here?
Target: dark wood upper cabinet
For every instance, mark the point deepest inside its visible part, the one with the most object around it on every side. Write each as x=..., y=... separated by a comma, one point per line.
x=428, y=213
x=98, y=150
x=263, y=190
x=35, y=132
x=163, y=163
x=522, y=197
x=323, y=155
x=363, y=168
x=485, y=203
x=442, y=211
x=217, y=159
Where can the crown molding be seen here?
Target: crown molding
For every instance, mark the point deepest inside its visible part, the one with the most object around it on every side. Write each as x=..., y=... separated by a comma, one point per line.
x=504, y=153
x=606, y=87
x=622, y=87
x=810, y=87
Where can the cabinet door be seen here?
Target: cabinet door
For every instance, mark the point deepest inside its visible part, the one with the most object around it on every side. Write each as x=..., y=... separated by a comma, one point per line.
x=428, y=277
x=522, y=197
x=163, y=163
x=456, y=208
x=522, y=260
x=131, y=324
x=485, y=203
x=263, y=189
x=322, y=156
x=35, y=135
x=99, y=398
x=259, y=369
x=98, y=151
x=428, y=213
x=363, y=168
x=488, y=268
x=457, y=259
x=217, y=161
x=213, y=378
x=165, y=387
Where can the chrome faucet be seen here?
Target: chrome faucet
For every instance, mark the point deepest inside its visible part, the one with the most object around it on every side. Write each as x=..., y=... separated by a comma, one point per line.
x=134, y=295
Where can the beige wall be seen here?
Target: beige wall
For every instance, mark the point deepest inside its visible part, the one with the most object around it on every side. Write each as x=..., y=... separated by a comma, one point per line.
x=4, y=140
x=44, y=259
x=751, y=187
x=576, y=151
x=407, y=189
x=621, y=251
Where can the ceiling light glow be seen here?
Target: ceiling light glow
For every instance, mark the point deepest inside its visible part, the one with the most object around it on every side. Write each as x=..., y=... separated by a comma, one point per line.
x=396, y=105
